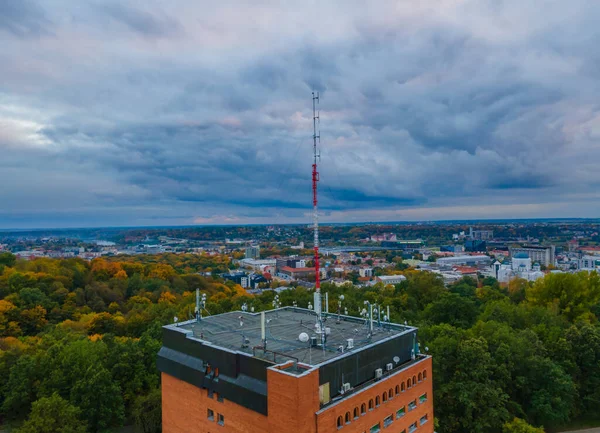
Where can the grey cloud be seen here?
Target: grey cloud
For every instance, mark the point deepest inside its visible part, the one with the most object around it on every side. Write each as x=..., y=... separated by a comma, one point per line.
x=422, y=110
x=24, y=19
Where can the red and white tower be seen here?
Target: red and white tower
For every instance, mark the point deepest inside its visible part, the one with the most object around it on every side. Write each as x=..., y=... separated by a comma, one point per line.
x=315, y=179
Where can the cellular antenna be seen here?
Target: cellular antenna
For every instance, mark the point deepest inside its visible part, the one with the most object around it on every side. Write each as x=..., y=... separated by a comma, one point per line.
x=315, y=179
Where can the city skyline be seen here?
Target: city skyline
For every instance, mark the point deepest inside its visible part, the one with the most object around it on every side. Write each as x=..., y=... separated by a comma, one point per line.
x=143, y=113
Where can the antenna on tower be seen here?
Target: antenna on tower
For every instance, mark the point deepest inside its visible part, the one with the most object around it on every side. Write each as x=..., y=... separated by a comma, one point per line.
x=315, y=179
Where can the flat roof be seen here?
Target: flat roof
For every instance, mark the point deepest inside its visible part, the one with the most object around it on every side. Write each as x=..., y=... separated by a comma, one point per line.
x=284, y=326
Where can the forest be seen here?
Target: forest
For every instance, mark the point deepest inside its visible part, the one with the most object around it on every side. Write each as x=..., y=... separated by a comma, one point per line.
x=78, y=341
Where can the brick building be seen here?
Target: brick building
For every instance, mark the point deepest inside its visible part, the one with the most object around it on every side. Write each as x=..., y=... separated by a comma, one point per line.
x=284, y=371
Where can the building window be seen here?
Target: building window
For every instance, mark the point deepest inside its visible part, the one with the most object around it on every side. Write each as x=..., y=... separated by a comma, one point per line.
x=371, y=404
x=340, y=422
x=388, y=420
x=412, y=427
x=219, y=397
x=402, y=387
x=420, y=378
x=423, y=419
x=347, y=417
x=376, y=428
x=210, y=414
x=423, y=398
x=355, y=412
x=401, y=412
x=397, y=389
x=210, y=393
x=414, y=380
x=384, y=397
x=363, y=409
x=425, y=375
x=408, y=384
x=412, y=405
x=377, y=401
x=391, y=394
x=220, y=419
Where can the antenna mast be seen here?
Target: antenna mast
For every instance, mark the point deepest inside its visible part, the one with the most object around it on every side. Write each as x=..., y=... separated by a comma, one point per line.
x=315, y=179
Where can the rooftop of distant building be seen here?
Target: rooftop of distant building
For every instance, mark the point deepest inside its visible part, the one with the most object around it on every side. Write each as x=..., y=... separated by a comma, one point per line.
x=240, y=331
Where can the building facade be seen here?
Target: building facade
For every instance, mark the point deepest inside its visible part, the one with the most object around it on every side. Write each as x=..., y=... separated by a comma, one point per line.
x=375, y=382
x=542, y=255
x=253, y=252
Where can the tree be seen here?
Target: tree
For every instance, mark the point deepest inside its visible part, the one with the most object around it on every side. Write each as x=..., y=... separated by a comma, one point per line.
x=517, y=425
x=146, y=412
x=7, y=259
x=53, y=415
x=99, y=399
x=453, y=309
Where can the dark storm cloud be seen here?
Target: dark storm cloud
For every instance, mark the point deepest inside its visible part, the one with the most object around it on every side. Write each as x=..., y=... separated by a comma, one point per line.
x=147, y=112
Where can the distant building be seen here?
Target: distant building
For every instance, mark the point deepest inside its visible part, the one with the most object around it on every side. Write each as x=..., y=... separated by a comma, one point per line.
x=298, y=272
x=390, y=279
x=475, y=245
x=520, y=267
x=482, y=235
x=253, y=252
x=391, y=237
x=540, y=254
x=589, y=263
x=464, y=260
x=452, y=248
x=257, y=264
x=365, y=272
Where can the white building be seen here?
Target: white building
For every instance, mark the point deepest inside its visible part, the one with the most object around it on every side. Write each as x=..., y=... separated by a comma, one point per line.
x=520, y=267
x=258, y=264
x=391, y=279
x=589, y=263
x=464, y=260
x=539, y=254
x=365, y=272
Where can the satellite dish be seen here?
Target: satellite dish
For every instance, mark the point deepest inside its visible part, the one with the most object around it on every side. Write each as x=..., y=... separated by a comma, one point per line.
x=396, y=359
x=303, y=337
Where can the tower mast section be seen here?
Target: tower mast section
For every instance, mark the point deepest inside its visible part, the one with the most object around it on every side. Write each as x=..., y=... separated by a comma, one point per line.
x=315, y=179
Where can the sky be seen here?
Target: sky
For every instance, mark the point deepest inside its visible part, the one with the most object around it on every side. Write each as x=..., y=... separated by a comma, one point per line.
x=179, y=112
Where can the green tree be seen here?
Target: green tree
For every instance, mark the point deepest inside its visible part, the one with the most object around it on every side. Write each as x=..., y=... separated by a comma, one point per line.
x=99, y=399
x=147, y=413
x=453, y=309
x=7, y=259
x=53, y=415
x=517, y=425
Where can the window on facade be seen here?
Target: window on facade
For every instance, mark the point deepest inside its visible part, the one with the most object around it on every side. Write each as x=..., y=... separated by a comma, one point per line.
x=375, y=429
x=412, y=405
x=420, y=378
x=363, y=409
x=388, y=420
x=377, y=401
x=210, y=415
x=355, y=412
x=397, y=389
x=401, y=412
x=220, y=419
x=408, y=384
x=425, y=375
x=423, y=399
x=384, y=397
x=423, y=419
x=412, y=427
x=371, y=404
x=414, y=380
x=391, y=394
x=340, y=422
x=210, y=393
x=347, y=417
x=402, y=387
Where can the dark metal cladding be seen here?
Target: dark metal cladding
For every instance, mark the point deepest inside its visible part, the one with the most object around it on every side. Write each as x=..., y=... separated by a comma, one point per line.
x=359, y=367
x=241, y=379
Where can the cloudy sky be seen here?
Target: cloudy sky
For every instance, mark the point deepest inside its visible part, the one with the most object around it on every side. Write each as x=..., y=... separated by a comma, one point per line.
x=148, y=112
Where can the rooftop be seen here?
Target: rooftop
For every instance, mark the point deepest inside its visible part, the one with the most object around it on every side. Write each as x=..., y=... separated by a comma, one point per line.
x=239, y=331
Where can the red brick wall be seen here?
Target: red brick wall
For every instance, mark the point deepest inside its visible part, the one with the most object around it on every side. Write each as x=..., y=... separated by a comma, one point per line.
x=327, y=420
x=292, y=402
x=184, y=410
